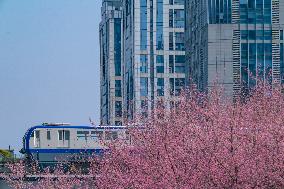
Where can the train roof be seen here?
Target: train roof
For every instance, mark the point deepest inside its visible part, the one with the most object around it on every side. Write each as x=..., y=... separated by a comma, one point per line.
x=76, y=127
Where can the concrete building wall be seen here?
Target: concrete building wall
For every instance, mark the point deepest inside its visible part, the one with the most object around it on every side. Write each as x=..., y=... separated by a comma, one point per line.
x=220, y=57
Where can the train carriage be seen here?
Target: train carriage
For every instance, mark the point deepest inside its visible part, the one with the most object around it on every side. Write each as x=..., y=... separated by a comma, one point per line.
x=52, y=143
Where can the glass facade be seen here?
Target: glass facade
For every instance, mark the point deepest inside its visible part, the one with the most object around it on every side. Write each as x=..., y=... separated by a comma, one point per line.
x=159, y=25
x=256, y=34
x=281, y=62
x=255, y=11
x=146, y=54
x=143, y=24
x=256, y=44
x=111, y=28
x=117, y=46
x=220, y=11
x=256, y=62
x=239, y=42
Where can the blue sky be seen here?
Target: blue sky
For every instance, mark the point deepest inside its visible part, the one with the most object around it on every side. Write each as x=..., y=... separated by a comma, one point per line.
x=49, y=64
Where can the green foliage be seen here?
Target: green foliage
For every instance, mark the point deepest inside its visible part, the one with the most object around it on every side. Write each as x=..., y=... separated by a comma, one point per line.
x=6, y=154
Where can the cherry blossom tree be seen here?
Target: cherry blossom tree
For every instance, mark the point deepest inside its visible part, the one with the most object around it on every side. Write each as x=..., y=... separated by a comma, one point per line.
x=204, y=143
x=25, y=176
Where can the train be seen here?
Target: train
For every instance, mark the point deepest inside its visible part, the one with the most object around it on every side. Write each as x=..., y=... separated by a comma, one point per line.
x=51, y=143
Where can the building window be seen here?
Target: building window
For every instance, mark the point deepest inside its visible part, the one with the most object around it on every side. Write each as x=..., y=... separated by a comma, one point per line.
x=171, y=41
x=267, y=11
x=177, y=2
x=179, y=69
x=144, y=104
x=171, y=18
x=160, y=86
x=118, y=88
x=255, y=57
x=267, y=35
x=282, y=63
x=259, y=35
x=160, y=63
x=180, y=64
x=143, y=63
x=117, y=46
x=159, y=25
x=143, y=24
x=252, y=64
x=179, y=85
x=144, y=86
x=179, y=18
x=118, y=109
x=244, y=64
x=180, y=59
x=179, y=41
x=244, y=34
x=268, y=61
x=260, y=59
x=171, y=63
x=252, y=34
x=172, y=86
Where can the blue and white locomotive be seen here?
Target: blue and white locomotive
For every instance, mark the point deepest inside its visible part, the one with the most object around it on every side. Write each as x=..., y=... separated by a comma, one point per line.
x=51, y=143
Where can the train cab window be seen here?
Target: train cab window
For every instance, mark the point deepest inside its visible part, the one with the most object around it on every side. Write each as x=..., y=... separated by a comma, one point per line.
x=33, y=134
x=111, y=135
x=48, y=137
x=82, y=135
x=37, y=135
x=37, y=139
x=96, y=135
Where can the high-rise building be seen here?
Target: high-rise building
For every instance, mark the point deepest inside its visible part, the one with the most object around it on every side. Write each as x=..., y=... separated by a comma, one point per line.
x=154, y=56
x=111, y=36
x=230, y=42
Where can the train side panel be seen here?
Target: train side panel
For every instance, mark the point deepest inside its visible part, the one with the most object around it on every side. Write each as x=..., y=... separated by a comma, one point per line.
x=53, y=144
